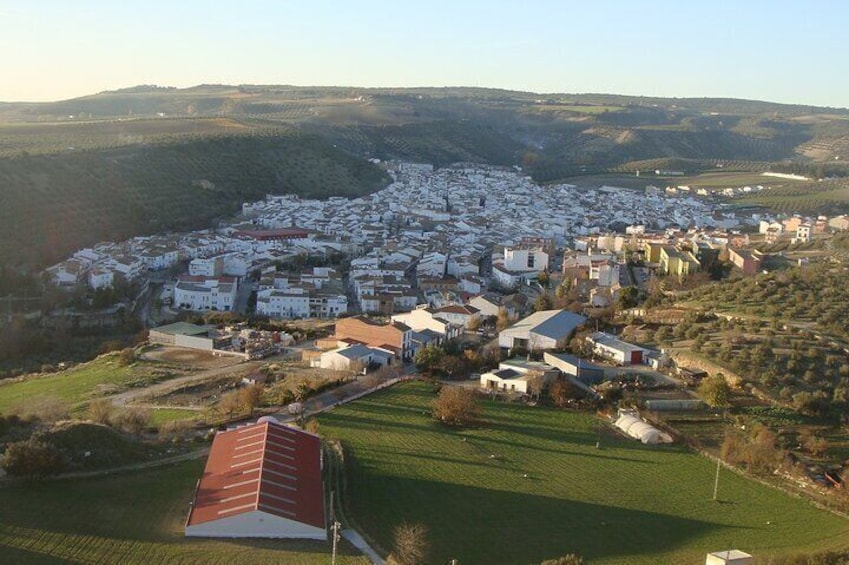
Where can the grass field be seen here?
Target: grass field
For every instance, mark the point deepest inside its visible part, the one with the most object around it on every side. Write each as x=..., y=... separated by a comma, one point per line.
x=161, y=416
x=81, y=383
x=622, y=504
x=132, y=518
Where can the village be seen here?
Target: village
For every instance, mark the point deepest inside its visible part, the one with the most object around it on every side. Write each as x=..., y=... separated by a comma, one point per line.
x=470, y=275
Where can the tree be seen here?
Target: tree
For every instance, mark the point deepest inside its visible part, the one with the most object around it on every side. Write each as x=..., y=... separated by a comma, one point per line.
x=561, y=391
x=628, y=297
x=133, y=420
x=127, y=357
x=250, y=397
x=502, y=320
x=410, y=545
x=715, y=391
x=543, y=302
x=33, y=459
x=428, y=358
x=456, y=406
x=100, y=410
x=543, y=278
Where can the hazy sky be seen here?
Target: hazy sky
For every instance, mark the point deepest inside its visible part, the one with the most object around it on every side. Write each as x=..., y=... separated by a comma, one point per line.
x=783, y=51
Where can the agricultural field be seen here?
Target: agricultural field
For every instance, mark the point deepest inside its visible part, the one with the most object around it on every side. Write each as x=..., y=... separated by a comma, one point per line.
x=825, y=197
x=134, y=518
x=79, y=384
x=529, y=484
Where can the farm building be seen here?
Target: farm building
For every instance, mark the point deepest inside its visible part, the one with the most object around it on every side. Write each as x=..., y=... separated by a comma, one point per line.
x=547, y=329
x=581, y=369
x=610, y=346
x=183, y=334
x=631, y=424
x=262, y=480
x=730, y=557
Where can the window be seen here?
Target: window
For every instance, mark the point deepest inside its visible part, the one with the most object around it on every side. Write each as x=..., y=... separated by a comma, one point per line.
x=531, y=260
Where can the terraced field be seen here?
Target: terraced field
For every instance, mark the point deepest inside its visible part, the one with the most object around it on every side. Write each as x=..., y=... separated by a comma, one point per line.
x=130, y=519
x=530, y=485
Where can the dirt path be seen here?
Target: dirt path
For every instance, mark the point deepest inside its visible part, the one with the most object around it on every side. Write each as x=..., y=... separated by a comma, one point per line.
x=179, y=382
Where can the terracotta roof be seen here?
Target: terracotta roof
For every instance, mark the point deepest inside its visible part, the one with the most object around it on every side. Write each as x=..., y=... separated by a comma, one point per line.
x=265, y=466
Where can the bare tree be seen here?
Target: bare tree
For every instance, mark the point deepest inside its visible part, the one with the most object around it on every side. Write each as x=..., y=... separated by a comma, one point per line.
x=100, y=410
x=410, y=544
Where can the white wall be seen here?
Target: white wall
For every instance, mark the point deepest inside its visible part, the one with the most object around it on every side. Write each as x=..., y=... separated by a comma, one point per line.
x=256, y=524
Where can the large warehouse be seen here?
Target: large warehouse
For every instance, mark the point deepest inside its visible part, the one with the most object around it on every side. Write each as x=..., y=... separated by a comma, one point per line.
x=262, y=480
x=547, y=329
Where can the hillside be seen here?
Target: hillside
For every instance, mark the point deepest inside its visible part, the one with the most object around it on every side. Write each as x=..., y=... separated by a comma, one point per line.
x=121, y=163
x=54, y=204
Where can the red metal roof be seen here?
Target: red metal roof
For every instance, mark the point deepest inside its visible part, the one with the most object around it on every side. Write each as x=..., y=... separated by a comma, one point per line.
x=282, y=233
x=265, y=466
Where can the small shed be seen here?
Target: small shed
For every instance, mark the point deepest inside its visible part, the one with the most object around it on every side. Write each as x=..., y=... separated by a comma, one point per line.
x=729, y=557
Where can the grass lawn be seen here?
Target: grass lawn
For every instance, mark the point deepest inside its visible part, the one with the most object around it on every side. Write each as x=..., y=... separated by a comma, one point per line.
x=80, y=383
x=622, y=504
x=161, y=416
x=130, y=518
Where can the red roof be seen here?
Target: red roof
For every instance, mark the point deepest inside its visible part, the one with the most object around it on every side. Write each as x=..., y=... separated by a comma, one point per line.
x=282, y=233
x=265, y=466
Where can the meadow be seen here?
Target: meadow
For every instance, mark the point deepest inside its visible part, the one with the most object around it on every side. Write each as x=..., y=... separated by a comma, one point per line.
x=128, y=519
x=79, y=384
x=529, y=484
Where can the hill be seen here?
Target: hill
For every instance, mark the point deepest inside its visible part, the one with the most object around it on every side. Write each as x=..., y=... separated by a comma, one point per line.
x=122, y=162
x=53, y=204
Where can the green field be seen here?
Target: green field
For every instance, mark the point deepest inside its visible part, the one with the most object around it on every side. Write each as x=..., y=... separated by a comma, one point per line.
x=81, y=383
x=132, y=518
x=161, y=416
x=622, y=504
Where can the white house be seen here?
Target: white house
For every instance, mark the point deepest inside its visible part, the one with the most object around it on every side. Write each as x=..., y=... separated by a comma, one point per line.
x=525, y=259
x=205, y=293
x=349, y=357
x=547, y=329
x=100, y=277
x=458, y=314
x=425, y=318
x=206, y=267
x=518, y=375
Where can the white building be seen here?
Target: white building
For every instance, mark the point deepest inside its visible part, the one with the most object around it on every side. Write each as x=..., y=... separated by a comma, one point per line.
x=525, y=259
x=425, y=318
x=611, y=347
x=205, y=293
x=354, y=357
x=206, y=267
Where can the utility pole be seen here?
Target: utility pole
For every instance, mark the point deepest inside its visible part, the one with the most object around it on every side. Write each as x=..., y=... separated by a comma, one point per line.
x=716, y=480
x=335, y=528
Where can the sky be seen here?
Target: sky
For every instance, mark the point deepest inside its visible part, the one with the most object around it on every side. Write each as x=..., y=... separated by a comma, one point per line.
x=781, y=51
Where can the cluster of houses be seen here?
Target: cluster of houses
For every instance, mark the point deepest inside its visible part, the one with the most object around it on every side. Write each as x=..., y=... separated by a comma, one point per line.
x=441, y=237
x=799, y=229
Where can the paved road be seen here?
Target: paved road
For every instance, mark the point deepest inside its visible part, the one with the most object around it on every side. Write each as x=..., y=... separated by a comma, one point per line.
x=357, y=541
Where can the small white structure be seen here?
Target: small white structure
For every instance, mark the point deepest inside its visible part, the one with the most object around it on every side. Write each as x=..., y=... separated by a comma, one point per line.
x=632, y=425
x=621, y=352
x=729, y=557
